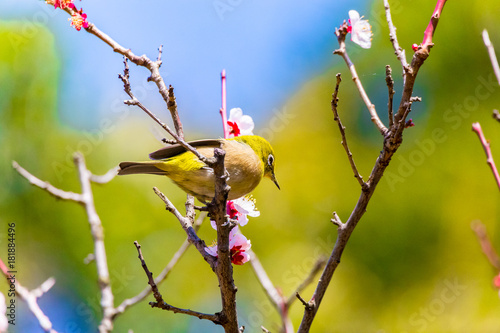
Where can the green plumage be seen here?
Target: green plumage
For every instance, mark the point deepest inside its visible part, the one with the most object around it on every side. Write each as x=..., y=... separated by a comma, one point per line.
x=248, y=159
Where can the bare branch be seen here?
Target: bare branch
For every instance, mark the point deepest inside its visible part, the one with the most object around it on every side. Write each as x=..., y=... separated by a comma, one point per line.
x=318, y=266
x=274, y=295
x=336, y=220
x=159, y=299
x=390, y=86
x=31, y=297
x=491, y=53
x=54, y=191
x=398, y=50
x=392, y=141
x=172, y=104
x=341, y=51
x=342, y=132
x=162, y=276
x=106, y=178
x=476, y=127
x=186, y=224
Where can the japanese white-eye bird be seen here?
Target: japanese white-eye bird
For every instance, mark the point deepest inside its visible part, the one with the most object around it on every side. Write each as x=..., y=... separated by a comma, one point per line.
x=248, y=159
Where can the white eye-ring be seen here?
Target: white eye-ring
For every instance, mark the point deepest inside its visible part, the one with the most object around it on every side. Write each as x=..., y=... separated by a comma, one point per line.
x=270, y=159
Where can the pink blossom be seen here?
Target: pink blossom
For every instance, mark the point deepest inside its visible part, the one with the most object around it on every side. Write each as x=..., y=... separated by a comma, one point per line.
x=239, y=124
x=238, y=244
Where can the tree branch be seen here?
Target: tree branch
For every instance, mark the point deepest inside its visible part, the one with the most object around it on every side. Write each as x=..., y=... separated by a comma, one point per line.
x=136, y=102
x=392, y=141
x=476, y=127
x=341, y=51
x=187, y=225
x=342, y=132
x=86, y=199
x=224, y=268
x=31, y=297
x=162, y=276
x=160, y=303
x=390, y=85
x=398, y=50
x=52, y=190
x=274, y=295
x=491, y=53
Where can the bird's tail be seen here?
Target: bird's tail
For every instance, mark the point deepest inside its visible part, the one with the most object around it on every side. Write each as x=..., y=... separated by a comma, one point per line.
x=130, y=168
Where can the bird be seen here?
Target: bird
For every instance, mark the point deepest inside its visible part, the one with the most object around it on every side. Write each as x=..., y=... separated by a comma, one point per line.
x=249, y=158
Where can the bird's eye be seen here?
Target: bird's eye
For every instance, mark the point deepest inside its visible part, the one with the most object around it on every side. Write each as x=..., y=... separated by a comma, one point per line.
x=270, y=159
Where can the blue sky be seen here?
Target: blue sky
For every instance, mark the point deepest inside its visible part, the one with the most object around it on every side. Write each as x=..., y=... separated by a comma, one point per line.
x=268, y=48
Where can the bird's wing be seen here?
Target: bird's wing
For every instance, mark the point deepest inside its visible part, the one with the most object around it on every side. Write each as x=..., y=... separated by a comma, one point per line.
x=177, y=149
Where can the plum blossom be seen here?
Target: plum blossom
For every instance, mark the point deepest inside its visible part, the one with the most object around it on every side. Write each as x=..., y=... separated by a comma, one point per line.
x=361, y=30
x=79, y=20
x=239, y=124
x=244, y=207
x=238, y=244
x=239, y=210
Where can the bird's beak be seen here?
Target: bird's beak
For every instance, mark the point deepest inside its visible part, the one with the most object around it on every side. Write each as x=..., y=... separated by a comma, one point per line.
x=273, y=178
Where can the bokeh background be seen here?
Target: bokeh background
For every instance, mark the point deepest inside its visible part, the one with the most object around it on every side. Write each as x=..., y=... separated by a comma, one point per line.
x=412, y=265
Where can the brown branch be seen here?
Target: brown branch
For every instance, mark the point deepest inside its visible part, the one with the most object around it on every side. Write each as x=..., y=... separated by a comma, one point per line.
x=318, y=266
x=160, y=303
x=488, y=249
x=30, y=297
x=341, y=51
x=152, y=66
x=224, y=268
x=476, y=127
x=134, y=101
x=392, y=141
x=390, y=85
x=342, y=132
x=398, y=50
x=162, y=276
x=187, y=225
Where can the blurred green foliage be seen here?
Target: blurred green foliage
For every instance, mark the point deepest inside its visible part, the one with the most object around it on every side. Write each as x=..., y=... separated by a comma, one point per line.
x=413, y=263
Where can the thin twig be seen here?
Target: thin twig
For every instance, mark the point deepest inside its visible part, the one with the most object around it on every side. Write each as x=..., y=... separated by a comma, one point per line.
x=398, y=50
x=273, y=293
x=162, y=276
x=160, y=303
x=318, y=266
x=342, y=132
x=488, y=249
x=336, y=220
x=86, y=199
x=476, y=127
x=491, y=53
x=52, y=190
x=390, y=86
x=136, y=102
x=186, y=224
x=392, y=142
x=223, y=109
x=106, y=178
x=31, y=297
x=341, y=51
